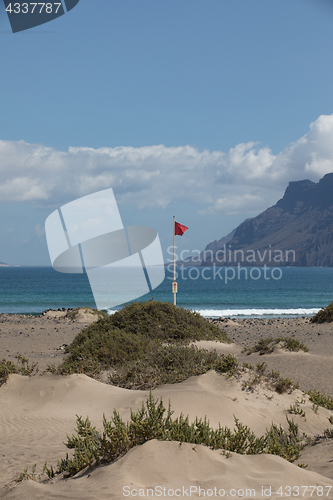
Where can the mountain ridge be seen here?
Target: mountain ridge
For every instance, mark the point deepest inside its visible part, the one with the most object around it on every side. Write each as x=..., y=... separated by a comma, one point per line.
x=296, y=231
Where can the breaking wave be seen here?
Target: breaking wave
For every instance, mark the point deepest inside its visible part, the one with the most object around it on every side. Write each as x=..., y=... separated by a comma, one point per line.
x=260, y=313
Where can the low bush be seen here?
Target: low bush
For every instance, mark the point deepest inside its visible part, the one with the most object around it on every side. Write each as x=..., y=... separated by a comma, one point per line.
x=28, y=475
x=296, y=409
x=264, y=346
x=163, y=321
x=268, y=345
x=92, y=447
x=282, y=385
x=320, y=399
x=93, y=351
x=272, y=380
x=324, y=315
x=285, y=444
x=169, y=364
x=328, y=433
x=293, y=344
x=22, y=367
x=145, y=344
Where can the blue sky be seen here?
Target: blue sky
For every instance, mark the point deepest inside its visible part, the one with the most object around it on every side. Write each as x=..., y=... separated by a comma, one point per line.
x=202, y=109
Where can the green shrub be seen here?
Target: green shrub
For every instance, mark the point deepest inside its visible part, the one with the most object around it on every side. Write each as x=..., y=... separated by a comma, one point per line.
x=8, y=367
x=282, y=385
x=273, y=380
x=264, y=346
x=261, y=368
x=49, y=471
x=268, y=345
x=169, y=364
x=293, y=344
x=93, y=351
x=145, y=344
x=320, y=399
x=165, y=322
x=247, y=365
x=325, y=315
x=226, y=363
x=296, y=409
x=92, y=447
x=28, y=475
x=285, y=444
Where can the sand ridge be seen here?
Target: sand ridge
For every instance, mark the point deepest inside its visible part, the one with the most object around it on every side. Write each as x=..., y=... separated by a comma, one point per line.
x=314, y=369
x=36, y=414
x=169, y=469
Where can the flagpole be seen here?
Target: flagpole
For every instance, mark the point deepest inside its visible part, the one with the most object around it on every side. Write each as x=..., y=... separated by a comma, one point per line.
x=174, y=284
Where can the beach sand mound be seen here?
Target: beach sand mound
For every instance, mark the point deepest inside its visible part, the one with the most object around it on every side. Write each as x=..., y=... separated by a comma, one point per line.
x=84, y=315
x=170, y=469
x=81, y=315
x=311, y=369
x=36, y=413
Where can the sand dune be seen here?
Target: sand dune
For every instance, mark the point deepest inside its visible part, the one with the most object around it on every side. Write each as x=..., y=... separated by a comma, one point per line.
x=169, y=469
x=304, y=367
x=36, y=414
x=313, y=369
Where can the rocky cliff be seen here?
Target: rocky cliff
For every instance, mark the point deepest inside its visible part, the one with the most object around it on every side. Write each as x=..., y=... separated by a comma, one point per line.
x=296, y=231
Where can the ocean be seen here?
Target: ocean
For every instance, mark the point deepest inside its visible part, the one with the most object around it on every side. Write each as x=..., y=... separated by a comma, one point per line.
x=215, y=292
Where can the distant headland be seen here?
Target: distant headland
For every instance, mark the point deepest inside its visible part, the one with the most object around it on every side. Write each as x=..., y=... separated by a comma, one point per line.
x=296, y=231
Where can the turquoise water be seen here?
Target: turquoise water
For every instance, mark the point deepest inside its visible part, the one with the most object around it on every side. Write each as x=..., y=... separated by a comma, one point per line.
x=299, y=291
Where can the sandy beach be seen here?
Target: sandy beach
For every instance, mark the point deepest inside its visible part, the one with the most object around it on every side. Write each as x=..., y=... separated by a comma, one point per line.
x=37, y=412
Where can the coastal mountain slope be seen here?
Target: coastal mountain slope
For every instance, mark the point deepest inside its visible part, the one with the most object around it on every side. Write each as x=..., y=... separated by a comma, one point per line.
x=219, y=244
x=296, y=231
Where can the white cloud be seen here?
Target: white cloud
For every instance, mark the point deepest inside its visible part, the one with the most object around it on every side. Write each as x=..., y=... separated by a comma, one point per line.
x=245, y=179
x=233, y=204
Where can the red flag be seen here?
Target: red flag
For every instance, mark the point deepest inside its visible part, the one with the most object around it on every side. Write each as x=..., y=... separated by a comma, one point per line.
x=180, y=229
